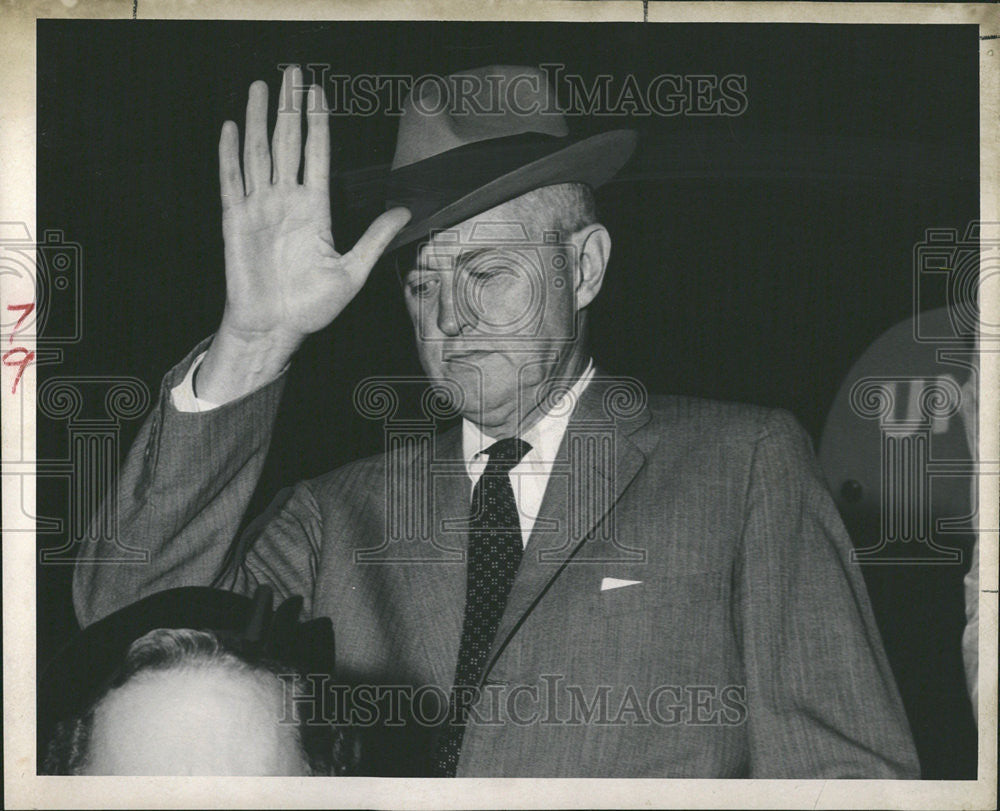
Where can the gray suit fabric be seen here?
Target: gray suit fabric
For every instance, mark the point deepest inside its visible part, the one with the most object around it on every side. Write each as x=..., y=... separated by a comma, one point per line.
x=748, y=649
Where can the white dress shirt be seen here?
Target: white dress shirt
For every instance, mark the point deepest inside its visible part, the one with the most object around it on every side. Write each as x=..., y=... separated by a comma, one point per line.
x=184, y=398
x=528, y=478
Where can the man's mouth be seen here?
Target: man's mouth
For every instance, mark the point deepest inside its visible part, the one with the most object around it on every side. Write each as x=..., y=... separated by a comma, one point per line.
x=465, y=354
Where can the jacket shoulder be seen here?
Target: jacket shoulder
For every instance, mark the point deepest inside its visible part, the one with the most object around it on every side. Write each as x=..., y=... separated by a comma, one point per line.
x=722, y=422
x=702, y=412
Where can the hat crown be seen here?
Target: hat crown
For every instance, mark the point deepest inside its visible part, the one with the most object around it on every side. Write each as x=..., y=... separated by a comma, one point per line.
x=495, y=101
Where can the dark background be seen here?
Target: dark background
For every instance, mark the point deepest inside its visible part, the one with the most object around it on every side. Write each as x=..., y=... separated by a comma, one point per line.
x=754, y=257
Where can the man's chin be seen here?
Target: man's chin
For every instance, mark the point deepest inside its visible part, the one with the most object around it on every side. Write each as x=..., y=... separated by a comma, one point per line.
x=480, y=412
x=492, y=410
x=473, y=393
x=459, y=394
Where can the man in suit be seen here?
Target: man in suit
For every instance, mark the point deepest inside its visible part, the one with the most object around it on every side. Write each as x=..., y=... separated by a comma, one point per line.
x=590, y=581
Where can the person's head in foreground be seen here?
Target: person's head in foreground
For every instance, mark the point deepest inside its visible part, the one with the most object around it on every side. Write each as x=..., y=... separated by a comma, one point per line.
x=186, y=703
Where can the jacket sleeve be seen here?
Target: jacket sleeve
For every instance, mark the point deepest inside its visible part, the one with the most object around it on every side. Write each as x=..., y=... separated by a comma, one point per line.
x=821, y=698
x=178, y=503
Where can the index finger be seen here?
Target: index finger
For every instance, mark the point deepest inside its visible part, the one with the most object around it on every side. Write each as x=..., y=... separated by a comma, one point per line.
x=316, y=172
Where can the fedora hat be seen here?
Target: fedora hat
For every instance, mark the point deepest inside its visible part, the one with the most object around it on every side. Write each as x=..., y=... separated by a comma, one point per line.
x=478, y=138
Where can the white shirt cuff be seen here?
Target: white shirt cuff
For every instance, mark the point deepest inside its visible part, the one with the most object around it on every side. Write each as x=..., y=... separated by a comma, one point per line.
x=183, y=395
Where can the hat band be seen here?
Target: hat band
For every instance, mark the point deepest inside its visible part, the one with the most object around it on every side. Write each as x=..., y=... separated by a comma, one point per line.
x=431, y=184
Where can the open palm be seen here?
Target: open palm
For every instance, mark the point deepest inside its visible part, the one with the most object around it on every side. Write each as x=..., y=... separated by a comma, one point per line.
x=284, y=277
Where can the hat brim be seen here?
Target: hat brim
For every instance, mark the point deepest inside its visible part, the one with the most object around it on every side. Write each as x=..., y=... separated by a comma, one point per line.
x=593, y=161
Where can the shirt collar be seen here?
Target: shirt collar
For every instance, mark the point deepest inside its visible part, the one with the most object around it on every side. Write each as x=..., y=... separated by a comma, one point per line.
x=544, y=436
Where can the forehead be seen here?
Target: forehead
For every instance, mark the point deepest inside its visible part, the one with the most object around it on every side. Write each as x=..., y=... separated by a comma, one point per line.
x=513, y=223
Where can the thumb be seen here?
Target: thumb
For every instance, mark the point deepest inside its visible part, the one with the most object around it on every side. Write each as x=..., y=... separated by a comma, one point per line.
x=373, y=242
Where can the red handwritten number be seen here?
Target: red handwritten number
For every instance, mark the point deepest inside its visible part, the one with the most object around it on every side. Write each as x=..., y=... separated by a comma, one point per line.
x=23, y=363
x=28, y=308
x=27, y=356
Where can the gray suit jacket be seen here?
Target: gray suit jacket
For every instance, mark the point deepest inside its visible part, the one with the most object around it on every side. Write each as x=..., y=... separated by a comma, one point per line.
x=748, y=648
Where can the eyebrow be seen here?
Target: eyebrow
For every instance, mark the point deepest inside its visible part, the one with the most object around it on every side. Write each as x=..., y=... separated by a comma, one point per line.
x=465, y=256
x=469, y=254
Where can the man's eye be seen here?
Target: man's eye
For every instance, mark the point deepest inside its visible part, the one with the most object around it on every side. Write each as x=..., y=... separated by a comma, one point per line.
x=422, y=288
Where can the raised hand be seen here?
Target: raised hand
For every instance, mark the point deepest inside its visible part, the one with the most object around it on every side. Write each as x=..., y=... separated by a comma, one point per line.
x=284, y=277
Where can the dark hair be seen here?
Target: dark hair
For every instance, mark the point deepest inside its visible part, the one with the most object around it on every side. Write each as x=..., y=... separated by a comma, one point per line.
x=324, y=747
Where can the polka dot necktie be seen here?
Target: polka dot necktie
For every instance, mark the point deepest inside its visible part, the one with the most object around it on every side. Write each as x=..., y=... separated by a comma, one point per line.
x=494, y=555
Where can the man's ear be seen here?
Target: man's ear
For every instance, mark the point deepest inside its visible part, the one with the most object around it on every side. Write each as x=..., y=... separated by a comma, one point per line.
x=593, y=247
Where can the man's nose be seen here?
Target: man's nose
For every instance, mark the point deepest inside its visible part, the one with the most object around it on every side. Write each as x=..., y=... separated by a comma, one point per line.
x=452, y=318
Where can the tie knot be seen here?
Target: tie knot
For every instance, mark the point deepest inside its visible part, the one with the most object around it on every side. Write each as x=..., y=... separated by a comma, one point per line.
x=507, y=453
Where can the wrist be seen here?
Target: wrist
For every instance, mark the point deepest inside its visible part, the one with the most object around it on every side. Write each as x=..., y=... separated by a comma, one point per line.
x=238, y=363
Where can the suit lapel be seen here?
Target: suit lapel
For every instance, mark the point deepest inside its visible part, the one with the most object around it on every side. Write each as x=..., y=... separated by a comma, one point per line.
x=596, y=462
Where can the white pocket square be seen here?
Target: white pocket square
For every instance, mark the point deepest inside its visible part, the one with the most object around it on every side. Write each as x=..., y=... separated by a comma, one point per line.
x=609, y=583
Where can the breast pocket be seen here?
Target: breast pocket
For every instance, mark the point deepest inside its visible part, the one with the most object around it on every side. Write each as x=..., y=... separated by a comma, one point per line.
x=653, y=597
